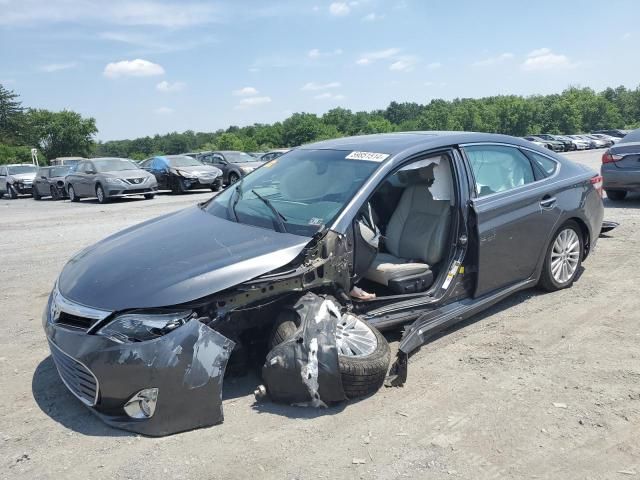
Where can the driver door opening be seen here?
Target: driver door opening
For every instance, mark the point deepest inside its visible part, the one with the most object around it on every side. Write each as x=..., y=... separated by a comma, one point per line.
x=403, y=234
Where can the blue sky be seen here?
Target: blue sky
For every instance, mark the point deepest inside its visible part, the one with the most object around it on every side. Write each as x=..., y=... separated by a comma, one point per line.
x=142, y=67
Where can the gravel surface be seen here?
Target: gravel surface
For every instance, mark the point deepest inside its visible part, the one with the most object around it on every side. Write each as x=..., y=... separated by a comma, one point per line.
x=540, y=386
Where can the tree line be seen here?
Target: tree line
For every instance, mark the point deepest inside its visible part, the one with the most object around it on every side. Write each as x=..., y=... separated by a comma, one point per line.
x=575, y=110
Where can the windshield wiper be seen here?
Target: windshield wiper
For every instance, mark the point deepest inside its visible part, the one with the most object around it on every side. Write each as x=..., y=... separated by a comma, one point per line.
x=280, y=218
x=235, y=198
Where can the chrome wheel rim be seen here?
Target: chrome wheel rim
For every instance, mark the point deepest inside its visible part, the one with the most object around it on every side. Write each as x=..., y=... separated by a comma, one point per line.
x=354, y=338
x=100, y=194
x=565, y=255
x=72, y=193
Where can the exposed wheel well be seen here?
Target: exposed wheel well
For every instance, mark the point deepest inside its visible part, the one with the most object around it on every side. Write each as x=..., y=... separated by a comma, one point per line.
x=586, y=237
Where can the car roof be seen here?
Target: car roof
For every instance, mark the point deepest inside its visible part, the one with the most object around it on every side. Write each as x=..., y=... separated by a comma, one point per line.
x=394, y=143
x=19, y=165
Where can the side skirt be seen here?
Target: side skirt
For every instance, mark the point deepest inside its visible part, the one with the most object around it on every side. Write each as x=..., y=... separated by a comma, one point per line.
x=427, y=325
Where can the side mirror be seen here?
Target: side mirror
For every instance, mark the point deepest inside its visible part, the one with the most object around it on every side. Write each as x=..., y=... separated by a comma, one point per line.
x=43, y=177
x=90, y=172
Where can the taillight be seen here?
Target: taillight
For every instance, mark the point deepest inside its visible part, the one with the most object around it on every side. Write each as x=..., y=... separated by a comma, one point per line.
x=608, y=157
x=596, y=181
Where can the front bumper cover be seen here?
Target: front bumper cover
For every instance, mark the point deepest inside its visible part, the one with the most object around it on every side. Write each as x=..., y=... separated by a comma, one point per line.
x=187, y=366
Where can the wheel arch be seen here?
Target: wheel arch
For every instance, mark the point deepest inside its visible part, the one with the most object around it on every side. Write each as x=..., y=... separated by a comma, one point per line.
x=586, y=234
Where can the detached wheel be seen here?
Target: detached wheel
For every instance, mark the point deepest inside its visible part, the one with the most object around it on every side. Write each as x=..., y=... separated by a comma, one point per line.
x=55, y=195
x=363, y=353
x=149, y=196
x=36, y=195
x=616, y=195
x=563, y=258
x=100, y=195
x=72, y=194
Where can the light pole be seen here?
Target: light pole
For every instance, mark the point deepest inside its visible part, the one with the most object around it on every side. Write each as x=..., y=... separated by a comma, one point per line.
x=34, y=157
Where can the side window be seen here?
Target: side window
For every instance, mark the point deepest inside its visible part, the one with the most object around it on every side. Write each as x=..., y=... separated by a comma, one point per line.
x=3, y=172
x=217, y=158
x=81, y=167
x=498, y=168
x=547, y=166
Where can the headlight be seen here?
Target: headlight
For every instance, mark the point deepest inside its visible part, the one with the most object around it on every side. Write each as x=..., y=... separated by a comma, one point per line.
x=140, y=327
x=186, y=174
x=247, y=169
x=114, y=181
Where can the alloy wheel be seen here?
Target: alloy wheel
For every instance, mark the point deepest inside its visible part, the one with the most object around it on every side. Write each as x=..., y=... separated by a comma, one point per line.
x=565, y=255
x=354, y=338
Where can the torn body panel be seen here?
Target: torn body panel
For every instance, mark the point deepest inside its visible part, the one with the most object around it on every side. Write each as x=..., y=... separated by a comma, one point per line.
x=186, y=366
x=304, y=369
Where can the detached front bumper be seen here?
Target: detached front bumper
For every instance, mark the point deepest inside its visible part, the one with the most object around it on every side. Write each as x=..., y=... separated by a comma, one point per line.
x=186, y=366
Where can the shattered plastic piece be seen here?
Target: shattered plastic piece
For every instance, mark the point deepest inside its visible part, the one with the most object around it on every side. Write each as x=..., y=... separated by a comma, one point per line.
x=304, y=370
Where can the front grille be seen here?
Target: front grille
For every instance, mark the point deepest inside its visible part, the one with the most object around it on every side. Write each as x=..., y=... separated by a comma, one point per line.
x=68, y=320
x=78, y=378
x=135, y=181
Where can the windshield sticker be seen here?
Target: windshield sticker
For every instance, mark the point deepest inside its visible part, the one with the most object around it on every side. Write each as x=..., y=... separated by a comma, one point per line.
x=452, y=273
x=370, y=156
x=315, y=221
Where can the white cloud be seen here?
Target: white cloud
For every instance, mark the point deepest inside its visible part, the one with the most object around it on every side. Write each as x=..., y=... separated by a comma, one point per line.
x=314, y=86
x=371, y=57
x=315, y=8
x=252, y=102
x=486, y=62
x=372, y=17
x=245, y=92
x=56, y=67
x=545, y=59
x=339, y=9
x=329, y=96
x=163, y=111
x=133, y=68
x=168, y=87
x=404, y=64
x=626, y=36
x=157, y=42
x=434, y=65
x=317, y=53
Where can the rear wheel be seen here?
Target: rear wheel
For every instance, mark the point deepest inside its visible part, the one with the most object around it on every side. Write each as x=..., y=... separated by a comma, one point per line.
x=233, y=178
x=363, y=353
x=563, y=259
x=100, y=195
x=72, y=194
x=616, y=195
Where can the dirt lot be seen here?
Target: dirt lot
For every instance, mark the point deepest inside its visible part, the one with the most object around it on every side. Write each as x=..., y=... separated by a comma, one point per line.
x=541, y=386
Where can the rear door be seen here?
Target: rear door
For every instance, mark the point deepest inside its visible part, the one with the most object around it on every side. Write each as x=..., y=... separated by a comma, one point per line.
x=516, y=209
x=3, y=179
x=41, y=182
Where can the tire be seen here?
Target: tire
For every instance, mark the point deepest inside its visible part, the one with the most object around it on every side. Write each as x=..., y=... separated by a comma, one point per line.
x=100, y=195
x=11, y=192
x=616, y=195
x=72, y=194
x=233, y=178
x=55, y=195
x=178, y=187
x=35, y=194
x=549, y=281
x=149, y=196
x=361, y=375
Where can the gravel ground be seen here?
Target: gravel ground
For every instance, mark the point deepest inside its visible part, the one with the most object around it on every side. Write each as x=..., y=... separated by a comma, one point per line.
x=540, y=386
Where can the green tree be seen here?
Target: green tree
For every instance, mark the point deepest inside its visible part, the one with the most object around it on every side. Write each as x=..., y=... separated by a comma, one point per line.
x=10, y=115
x=229, y=141
x=60, y=134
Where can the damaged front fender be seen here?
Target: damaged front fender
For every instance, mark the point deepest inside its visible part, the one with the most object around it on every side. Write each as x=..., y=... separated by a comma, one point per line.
x=186, y=367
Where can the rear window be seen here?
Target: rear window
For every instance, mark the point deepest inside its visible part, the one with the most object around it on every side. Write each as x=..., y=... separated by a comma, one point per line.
x=547, y=165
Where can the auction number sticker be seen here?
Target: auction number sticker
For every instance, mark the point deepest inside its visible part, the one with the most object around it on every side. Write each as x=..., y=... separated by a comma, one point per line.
x=370, y=156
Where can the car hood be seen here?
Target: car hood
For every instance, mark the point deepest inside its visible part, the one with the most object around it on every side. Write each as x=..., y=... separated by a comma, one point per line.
x=200, y=170
x=174, y=259
x=23, y=176
x=124, y=174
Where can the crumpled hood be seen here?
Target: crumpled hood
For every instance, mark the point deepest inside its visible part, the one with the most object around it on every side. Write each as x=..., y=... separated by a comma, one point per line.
x=174, y=259
x=201, y=170
x=21, y=177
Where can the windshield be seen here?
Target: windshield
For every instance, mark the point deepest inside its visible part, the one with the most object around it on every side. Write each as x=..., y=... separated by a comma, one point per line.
x=114, y=165
x=60, y=171
x=183, y=161
x=18, y=169
x=307, y=188
x=238, y=157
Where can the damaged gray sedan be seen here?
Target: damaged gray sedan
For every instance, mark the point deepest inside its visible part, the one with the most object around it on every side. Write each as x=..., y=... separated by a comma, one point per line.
x=298, y=266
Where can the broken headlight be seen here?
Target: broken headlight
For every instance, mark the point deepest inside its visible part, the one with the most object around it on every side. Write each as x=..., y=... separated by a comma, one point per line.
x=140, y=327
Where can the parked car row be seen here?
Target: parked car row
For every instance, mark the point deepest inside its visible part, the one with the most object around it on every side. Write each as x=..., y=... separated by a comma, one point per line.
x=584, y=141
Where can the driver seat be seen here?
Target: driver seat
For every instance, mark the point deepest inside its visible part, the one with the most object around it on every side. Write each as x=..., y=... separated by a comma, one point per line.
x=416, y=238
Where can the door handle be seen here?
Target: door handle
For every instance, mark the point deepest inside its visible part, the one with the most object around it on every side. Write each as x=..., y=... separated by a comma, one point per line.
x=548, y=202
